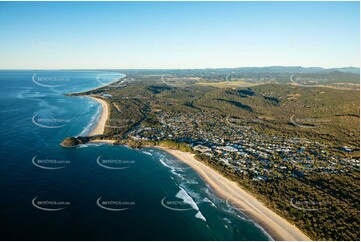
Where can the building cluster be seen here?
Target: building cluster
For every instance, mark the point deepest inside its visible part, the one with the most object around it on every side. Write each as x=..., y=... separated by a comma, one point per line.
x=241, y=148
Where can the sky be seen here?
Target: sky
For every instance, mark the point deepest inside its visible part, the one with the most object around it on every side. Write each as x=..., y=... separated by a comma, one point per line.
x=166, y=35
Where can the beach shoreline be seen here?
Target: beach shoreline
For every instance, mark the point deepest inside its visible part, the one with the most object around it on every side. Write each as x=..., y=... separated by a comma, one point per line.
x=103, y=117
x=106, y=141
x=120, y=80
x=276, y=226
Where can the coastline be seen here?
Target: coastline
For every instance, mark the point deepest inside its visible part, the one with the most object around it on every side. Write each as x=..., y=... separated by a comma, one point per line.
x=106, y=141
x=277, y=227
x=104, y=115
x=104, y=85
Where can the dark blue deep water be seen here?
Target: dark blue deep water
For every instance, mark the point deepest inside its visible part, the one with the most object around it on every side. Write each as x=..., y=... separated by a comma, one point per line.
x=98, y=191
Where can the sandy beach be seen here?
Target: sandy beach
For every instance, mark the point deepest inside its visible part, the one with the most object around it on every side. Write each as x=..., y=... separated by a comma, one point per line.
x=276, y=226
x=107, y=141
x=99, y=128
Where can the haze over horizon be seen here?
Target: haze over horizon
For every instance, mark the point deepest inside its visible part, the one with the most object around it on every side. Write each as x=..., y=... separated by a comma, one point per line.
x=178, y=35
x=238, y=67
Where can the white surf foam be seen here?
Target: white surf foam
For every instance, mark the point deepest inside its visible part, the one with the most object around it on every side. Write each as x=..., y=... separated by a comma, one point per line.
x=182, y=194
x=147, y=153
x=92, y=122
x=172, y=169
x=206, y=199
x=200, y=216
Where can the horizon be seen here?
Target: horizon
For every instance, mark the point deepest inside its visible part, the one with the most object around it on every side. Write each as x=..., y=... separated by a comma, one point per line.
x=178, y=35
x=180, y=121
x=109, y=69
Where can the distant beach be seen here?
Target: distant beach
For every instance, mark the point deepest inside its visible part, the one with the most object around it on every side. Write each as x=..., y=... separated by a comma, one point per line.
x=104, y=114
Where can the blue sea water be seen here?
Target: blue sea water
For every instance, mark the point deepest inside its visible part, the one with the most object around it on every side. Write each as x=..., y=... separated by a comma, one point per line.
x=94, y=191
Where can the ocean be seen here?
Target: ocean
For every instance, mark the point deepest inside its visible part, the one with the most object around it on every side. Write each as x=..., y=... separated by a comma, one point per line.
x=95, y=191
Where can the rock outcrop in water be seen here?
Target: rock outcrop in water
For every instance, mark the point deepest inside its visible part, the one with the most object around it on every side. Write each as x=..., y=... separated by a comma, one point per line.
x=74, y=141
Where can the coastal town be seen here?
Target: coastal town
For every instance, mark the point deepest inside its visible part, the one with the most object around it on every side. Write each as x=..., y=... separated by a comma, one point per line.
x=249, y=135
x=180, y=120
x=291, y=161
x=239, y=147
x=231, y=141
